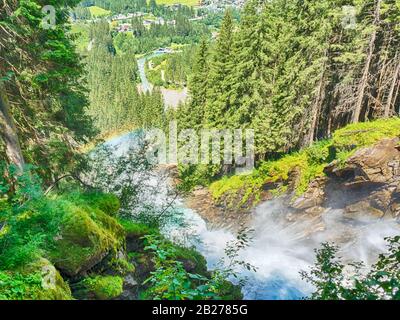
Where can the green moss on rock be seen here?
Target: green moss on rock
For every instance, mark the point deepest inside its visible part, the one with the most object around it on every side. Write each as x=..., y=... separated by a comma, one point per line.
x=192, y=260
x=99, y=288
x=37, y=281
x=138, y=230
x=87, y=236
x=108, y=203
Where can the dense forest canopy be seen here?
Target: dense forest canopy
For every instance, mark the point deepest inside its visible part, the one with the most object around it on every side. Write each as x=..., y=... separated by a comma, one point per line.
x=294, y=71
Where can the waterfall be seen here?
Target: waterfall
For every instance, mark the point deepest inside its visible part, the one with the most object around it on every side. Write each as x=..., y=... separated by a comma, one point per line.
x=281, y=247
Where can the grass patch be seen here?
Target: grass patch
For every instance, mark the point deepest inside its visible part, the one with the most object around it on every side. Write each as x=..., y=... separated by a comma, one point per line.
x=80, y=36
x=189, y=3
x=98, y=12
x=358, y=135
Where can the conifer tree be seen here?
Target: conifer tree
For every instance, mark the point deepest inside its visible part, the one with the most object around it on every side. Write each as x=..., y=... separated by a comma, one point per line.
x=221, y=68
x=198, y=85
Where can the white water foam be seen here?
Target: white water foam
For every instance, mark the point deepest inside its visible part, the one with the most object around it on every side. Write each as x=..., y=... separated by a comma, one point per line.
x=281, y=249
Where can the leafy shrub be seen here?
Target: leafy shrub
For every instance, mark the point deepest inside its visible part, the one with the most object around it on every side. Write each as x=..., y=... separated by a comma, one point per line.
x=172, y=281
x=16, y=286
x=332, y=283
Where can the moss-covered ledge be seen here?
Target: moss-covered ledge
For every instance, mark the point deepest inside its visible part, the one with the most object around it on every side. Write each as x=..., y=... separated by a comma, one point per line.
x=87, y=235
x=294, y=172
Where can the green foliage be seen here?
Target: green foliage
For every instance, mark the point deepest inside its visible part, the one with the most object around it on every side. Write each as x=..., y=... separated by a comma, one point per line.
x=108, y=203
x=87, y=235
x=294, y=72
x=99, y=287
x=351, y=138
x=170, y=280
x=48, y=100
x=37, y=281
x=196, y=175
x=19, y=287
x=327, y=274
x=175, y=69
x=18, y=187
x=97, y=12
x=382, y=282
x=137, y=230
x=219, y=83
x=29, y=221
x=112, y=78
x=121, y=266
x=32, y=222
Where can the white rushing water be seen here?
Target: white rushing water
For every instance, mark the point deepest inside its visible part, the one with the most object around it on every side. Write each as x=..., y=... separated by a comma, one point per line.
x=281, y=249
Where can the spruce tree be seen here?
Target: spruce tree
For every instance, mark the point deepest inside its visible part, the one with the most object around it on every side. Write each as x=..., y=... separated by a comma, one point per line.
x=198, y=86
x=221, y=68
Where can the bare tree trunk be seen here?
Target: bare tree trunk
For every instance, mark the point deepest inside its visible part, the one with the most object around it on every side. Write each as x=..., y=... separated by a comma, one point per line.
x=364, y=80
x=391, y=91
x=8, y=132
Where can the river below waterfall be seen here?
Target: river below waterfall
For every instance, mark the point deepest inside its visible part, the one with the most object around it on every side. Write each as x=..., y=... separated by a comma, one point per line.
x=172, y=98
x=280, y=249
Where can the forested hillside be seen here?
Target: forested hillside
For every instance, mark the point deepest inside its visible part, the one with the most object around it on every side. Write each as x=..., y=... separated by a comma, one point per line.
x=114, y=99
x=294, y=73
x=84, y=218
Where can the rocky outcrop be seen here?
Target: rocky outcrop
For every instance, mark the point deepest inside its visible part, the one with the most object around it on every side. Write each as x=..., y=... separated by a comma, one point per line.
x=365, y=185
x=313, y=197
x=379, y=164
x=216, y=215
x=88, y=235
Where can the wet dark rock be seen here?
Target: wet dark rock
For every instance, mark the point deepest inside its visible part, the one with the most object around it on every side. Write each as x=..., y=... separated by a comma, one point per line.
x=130, y=288
x=313, y=197
x=379, y=164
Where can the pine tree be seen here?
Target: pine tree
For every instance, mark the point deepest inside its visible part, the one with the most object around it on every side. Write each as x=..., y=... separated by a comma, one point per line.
x=248, y=82
x=221, y=68
x=198, y=85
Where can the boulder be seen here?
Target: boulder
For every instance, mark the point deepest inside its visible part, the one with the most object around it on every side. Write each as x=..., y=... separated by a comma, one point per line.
x=313, y=197
x=362, y=209
x=130, y=288
x=378, y=164
x=87, y=236
x=38, y=280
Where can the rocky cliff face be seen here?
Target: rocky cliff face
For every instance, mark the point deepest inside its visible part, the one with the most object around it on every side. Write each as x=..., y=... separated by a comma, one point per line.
x=366, y=184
